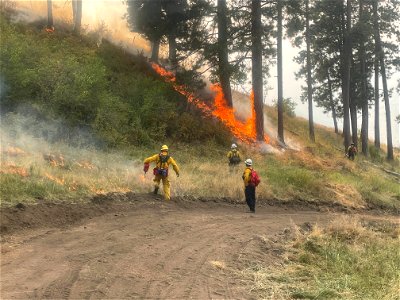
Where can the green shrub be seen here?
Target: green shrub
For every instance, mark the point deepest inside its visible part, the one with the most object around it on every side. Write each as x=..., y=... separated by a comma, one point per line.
x=376, y=154
x=289, y=106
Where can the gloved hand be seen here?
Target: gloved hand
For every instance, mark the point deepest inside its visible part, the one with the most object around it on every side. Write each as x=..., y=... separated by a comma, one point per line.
x=146, y=167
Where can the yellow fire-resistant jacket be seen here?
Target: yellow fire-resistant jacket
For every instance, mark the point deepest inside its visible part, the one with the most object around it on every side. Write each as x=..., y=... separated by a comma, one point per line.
x=230, y=154
x=246, y=176
x=170, y=161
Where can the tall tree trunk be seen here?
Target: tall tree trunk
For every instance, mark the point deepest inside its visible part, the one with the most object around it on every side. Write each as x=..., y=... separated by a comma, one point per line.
x=309, y=79
x=377, y=142
x=78, y=16
x=364, y=96
x=257, y=76
x=280, y=74
x=376, y=69
x=73, y=2
x=353, y=109
x=155, y=48
x=387, y=108
x=333, y=109
x=223, y=61
x=346, y=77
x=385, y=88
x=50, y=23
x=172, y=50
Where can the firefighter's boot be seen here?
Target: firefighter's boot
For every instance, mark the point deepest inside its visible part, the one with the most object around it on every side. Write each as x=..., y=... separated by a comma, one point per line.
x=156, y=190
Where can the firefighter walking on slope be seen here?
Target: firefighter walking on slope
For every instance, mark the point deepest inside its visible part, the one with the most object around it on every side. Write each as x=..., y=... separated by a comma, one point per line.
x=162, y=160
x=234, y=158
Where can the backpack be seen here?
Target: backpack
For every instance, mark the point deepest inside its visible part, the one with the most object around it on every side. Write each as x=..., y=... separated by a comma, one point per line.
x=235, y=159
x=254, y=178
x=161, y=162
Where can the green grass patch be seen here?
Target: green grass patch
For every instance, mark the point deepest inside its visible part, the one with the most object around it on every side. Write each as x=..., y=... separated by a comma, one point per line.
x=15, y=188
x=374, y=186
x=347, y=264
x=291, y=180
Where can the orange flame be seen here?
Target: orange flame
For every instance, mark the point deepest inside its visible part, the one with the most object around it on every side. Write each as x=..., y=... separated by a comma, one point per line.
x=245, y=131
x=72, y=186
x=170, y=78
x=142, y=178
x=95, y=190
x=10, y=168
x=54, y=160
x=55, y=179
x=85, y=165
x=14, y=151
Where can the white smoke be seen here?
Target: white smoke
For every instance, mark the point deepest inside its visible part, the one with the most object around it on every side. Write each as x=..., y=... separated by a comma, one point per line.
x=106, y=18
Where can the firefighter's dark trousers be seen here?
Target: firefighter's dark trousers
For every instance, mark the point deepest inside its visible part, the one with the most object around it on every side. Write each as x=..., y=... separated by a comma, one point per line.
x=250, y=193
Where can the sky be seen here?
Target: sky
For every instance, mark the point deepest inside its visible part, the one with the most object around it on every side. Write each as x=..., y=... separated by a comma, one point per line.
x=106, y=17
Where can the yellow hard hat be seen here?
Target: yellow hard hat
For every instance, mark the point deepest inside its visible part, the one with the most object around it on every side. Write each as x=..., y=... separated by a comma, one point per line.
x=164, y=148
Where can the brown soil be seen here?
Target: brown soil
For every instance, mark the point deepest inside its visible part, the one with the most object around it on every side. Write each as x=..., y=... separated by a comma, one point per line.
x=122, y=246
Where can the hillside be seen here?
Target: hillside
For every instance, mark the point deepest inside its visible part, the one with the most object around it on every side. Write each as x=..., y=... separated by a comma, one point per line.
x=86, y=105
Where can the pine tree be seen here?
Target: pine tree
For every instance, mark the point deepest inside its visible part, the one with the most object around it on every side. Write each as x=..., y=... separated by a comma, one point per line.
x=380, y=55
x=50, y=23
x=223, y=59
x=280, y=72
x=77, y=15
x=257, y=76
x=347, y=54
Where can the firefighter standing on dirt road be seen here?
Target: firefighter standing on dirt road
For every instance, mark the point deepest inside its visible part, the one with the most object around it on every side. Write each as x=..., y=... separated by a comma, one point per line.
x=162, y=160
x=234, y=158
x=251, y=180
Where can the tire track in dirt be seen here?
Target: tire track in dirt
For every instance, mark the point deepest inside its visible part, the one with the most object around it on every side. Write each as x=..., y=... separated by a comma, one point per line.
x=173, y=271
x=161, y=251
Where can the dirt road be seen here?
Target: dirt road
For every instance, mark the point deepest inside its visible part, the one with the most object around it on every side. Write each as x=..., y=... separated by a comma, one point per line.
x=145, y=249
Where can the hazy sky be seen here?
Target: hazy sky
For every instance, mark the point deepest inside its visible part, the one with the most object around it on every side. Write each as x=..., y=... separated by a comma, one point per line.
x=110, y=13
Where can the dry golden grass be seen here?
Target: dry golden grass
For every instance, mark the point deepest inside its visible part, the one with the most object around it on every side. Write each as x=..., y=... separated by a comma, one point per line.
x=294, y=175
x=349, y=258
x=218, y=264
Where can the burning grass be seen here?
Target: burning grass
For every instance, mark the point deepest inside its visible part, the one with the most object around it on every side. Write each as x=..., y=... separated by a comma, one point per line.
x=13, y=151
x=11, y=168
x=70, y=173
x=61, y=176
x=244, y=131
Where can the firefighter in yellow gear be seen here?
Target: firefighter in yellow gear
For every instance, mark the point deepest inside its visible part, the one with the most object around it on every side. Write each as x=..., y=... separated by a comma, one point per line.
x=234, y=158
x=162, y=160
x=249, y=188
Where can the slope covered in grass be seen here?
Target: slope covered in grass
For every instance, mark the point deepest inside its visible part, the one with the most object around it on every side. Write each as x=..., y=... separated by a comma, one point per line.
x=91, y=88
x=97, y=105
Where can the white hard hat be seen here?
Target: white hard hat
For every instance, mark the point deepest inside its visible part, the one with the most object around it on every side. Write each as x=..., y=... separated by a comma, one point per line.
x=248, y=162
x=233, y=146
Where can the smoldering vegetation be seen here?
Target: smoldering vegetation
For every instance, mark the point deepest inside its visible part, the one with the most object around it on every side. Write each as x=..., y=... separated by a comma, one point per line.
x=49, y=161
